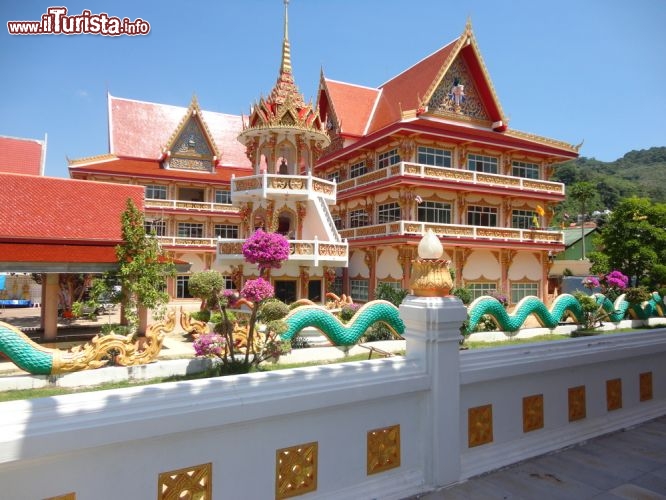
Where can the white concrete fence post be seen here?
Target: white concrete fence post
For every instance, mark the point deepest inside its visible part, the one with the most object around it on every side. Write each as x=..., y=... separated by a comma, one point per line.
x=433, y=334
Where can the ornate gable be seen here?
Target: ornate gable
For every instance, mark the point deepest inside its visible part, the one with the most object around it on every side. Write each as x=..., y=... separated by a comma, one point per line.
x=463, y=89
x=457, y=93
x=191, y=146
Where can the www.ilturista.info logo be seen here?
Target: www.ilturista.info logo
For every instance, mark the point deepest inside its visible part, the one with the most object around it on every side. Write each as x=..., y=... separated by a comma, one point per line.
x=56, y=22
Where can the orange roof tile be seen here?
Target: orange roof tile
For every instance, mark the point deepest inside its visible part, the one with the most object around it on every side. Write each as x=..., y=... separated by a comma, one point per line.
x=22, y=156
x=352, y=105
x=139, y=129
x=151, y=169
x=63, y=210
x=49, y=253
x=404, y=90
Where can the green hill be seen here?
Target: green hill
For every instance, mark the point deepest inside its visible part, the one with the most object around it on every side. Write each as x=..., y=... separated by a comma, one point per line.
x=637, y=173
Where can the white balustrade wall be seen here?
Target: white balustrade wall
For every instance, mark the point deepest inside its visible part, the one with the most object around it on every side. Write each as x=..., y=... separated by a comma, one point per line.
x=460, y=413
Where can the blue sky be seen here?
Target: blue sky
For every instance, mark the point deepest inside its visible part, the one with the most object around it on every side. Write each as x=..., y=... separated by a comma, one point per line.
x=571, y=70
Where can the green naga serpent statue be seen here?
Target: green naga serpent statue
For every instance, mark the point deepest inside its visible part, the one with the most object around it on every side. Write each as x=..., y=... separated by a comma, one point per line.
x=563, y=306
x=376, y=311
x=39, y=360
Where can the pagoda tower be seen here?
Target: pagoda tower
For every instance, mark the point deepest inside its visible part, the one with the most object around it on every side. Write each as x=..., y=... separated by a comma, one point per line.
x=284, y=135
x=283, y=138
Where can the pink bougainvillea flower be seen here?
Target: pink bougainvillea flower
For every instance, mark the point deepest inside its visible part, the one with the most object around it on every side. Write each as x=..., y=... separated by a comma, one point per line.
x=267, y=250
x=257, y=290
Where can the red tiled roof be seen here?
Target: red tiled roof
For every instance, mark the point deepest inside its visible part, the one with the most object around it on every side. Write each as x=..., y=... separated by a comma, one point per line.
x=21, y=156
x=152, y=169
x=62, y=210
x=50, y=253
x=404, y=90
x=353, y=105
x=139, y=129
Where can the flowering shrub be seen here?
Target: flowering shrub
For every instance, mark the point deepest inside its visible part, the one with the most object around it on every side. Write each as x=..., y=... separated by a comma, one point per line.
x=348, y=310
x=591, y=282
x=267, y=250
x=612, y=285
x=257, y=290
x=210, y=345
x=615, y=279
x=500, y=297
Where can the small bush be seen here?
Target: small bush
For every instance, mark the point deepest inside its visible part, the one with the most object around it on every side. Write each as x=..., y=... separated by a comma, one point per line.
x=464, y=294
x=637, y=295
x=201, y=316
x=347, y=312
x=271, y=310
x=378, y=331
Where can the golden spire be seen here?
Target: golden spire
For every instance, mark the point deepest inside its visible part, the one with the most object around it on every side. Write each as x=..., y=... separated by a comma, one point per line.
x=285, y=67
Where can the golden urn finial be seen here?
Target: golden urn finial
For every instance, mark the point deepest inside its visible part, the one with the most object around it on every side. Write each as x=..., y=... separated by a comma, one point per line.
x=430, y=273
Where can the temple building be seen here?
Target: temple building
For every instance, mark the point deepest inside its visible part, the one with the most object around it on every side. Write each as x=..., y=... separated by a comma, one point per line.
x=431, y=148
x=353, y=182
x=212, y=179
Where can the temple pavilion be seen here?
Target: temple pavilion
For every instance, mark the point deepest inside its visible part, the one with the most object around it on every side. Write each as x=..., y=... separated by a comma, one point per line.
x=353, y=181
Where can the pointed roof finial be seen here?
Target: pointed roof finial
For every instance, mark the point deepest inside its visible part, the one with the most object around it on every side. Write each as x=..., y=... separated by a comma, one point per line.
x=285, y=66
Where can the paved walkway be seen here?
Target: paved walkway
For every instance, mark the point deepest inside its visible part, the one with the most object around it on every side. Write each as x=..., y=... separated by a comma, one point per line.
x=628, y=464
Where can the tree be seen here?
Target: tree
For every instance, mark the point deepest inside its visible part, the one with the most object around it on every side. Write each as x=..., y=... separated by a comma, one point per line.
x=634, y=239
x=207, y=286
x=142, y=270
x=582, y=192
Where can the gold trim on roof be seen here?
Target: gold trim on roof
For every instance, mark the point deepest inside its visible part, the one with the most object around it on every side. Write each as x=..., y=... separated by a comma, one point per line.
x=542, y=140
x=92, y=159
x=467, y=38
x=193, y=110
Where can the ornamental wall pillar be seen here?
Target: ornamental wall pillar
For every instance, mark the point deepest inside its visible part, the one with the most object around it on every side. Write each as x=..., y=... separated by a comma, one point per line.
x=406, y=149
x=237, y=276
x=460, y=256
x=371, y=261
x=461, y=205
x=304, y=279
x=507, y=207
x=329, y=276
x=506, y=259
x=406, y=255
x=301, y=211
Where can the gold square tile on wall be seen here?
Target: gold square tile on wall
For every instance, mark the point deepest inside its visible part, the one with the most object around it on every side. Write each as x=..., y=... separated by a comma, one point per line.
x=614, y=394
x=188, y=482
x=479, y=425
x=577, y=408
x=532, y=412
x=383, y=449
x=645, y=386
x=296, y=470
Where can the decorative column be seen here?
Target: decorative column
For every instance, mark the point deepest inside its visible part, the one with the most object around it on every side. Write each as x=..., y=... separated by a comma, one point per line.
x=371, y=262
x=50, y=294
x=329, y=279
x=301, y=211
x=304, y=278
x=506, y=259
x=405, y=256
x=432, y=334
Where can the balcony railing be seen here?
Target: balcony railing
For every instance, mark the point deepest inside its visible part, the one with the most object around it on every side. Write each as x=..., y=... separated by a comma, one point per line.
x=468, y=177
x=313, y=252
x=195, y=206
x=408, y=228
x=298, y=187
x=182, y=241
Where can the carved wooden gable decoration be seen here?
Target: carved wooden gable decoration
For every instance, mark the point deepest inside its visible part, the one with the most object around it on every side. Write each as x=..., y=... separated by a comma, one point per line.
x=463, y=88
x=191, y=146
